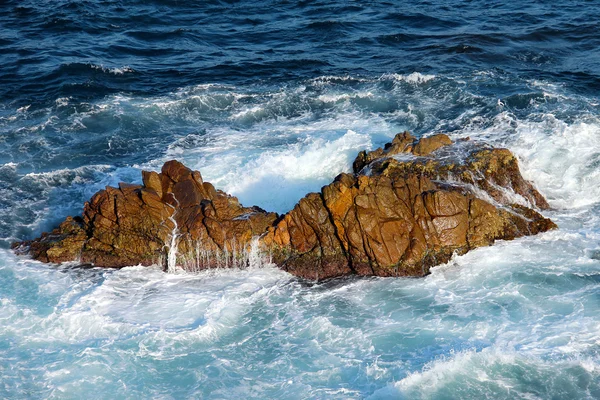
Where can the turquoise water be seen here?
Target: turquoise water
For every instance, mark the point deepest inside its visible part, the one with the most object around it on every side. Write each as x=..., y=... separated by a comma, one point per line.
x=271, y=100
x=512, y=321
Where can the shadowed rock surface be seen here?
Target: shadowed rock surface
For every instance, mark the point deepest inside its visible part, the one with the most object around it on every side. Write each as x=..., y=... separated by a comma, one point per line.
x=407, y=207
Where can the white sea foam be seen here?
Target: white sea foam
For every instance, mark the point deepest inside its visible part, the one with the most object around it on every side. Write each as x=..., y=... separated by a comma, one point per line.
x=275, y=164
x=297, y=170
x=519, y=318
x=67, y=176
x=488, y=373
x=334, y=98
x=559, y=157
x=333, y=79
x=62, y=101
x=136, y=300
x=413, y=78
x=9, y=165
x=115, y=70
x=483, y=308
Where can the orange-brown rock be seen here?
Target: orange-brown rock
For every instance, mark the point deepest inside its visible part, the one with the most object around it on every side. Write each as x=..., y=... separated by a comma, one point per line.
x=138, y=224
x=407, y=207
x=494, y=171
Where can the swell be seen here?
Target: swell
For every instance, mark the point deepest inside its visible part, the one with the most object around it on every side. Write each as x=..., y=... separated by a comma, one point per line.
x=170, y=44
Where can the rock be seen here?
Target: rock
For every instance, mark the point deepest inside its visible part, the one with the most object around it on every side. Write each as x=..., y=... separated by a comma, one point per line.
x=63, y=244
x=428, y=145
x=407, y=207
x=135, y=224
x=400, y=226
x=494, y=171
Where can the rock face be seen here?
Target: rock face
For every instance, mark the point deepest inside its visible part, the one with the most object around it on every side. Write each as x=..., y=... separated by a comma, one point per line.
x=173, y=213
x=407, y=207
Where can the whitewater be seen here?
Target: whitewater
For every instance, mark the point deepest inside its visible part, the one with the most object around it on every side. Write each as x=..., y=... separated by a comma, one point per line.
x=519, y=319
x=268, y=120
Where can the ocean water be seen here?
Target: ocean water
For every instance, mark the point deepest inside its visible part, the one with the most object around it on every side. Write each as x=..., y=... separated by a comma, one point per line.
x=271, y=100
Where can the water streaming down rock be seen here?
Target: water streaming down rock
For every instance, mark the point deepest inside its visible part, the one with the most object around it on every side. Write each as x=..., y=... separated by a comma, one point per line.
x=174, y=242
x=399, y=214
x=237, y=256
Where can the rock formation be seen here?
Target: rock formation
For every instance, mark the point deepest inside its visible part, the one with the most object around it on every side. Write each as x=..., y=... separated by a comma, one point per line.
x=405, y=208
x=174, y=213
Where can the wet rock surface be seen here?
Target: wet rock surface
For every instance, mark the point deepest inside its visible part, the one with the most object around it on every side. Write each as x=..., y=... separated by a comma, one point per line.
x=406, y=208
x=174, y=213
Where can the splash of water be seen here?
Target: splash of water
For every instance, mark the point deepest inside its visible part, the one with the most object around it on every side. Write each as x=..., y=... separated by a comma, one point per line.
x=174, y=242
x=233, y=256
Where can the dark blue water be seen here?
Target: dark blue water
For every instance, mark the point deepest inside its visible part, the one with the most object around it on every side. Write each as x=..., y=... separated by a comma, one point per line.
x=271, y=100
x=62, y=48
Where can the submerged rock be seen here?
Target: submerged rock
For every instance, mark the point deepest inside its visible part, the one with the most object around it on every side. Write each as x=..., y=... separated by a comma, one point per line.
x=407, y=207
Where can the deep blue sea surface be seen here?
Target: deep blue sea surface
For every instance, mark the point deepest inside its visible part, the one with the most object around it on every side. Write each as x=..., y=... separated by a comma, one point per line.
x=271, y=100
